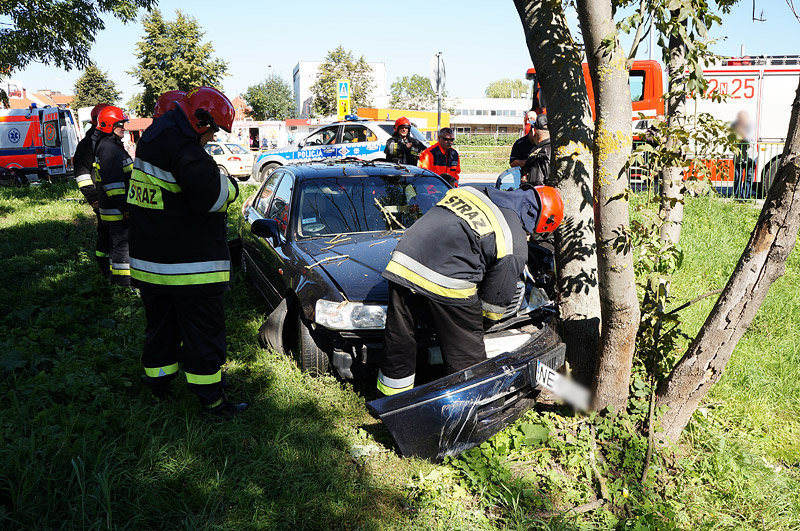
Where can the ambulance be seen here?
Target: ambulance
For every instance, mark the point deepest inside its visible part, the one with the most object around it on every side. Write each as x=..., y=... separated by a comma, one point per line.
x=38, y=142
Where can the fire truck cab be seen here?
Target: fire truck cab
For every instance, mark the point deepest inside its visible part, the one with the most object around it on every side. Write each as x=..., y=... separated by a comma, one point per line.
x=38, y=142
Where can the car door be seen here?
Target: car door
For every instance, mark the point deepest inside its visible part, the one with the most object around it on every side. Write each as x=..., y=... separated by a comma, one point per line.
x=275, y=256
x=257, y=250
x=321, y=144
x=359, y=141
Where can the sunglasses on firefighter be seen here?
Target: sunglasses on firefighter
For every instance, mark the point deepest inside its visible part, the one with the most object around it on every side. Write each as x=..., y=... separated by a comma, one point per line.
x=447, y=139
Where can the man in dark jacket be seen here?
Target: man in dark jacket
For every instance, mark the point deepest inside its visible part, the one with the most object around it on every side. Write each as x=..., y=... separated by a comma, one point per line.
x=532, y=152
x=113, y=166
x=402, y=148
x=459, y=265
x=180, y=259
x=83, y=161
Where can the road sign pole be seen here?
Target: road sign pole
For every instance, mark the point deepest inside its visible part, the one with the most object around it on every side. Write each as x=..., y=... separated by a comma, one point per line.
x=438, y=95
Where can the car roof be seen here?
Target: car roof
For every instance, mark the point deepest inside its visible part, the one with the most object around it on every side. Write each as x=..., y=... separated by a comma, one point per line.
x=350, y=168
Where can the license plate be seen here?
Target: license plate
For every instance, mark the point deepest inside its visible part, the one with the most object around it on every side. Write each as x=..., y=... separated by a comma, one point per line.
x=570, y=392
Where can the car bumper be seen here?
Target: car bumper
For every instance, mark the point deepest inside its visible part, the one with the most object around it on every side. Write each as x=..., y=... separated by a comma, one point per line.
x=455, y=413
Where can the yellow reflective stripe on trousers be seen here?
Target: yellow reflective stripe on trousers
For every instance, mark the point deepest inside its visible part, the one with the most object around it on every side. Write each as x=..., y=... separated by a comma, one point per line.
x=191, y=279
x=204, y=379
x=157, y=372
x=492, y=311
x=181, y=274
x=110, y=214
x=392, y=386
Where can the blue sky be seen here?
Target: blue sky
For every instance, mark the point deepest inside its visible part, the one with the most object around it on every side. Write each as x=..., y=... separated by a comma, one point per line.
x=481, y=41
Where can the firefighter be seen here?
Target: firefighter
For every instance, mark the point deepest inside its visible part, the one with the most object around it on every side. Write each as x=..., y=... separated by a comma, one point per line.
x=537, y=166
x=441, y=158
x=112, y=166
x=402, y=148
x=458, y=267
x=166, y=102
x=83, y=162
x=180, y=259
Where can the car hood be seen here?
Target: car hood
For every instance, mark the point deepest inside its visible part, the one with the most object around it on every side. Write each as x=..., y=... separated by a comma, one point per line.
x=359, y=275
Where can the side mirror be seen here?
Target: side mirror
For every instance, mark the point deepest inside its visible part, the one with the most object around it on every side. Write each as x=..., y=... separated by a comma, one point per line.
x=267, y=228
x=301, y=144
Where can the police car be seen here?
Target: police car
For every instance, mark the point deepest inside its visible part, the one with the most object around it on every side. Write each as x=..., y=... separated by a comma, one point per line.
x=357, y=138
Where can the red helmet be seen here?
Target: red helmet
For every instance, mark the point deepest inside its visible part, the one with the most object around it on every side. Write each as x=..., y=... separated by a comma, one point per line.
x=401, y=121
x=552, y=212
x=109, y=117
x=165, y=101
x=96, y=111
x=207, y=108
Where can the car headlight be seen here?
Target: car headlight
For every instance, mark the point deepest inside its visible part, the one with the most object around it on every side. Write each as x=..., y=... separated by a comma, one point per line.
x=350, y=315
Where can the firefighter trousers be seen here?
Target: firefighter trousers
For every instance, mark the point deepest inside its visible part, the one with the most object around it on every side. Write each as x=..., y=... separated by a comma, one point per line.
x=120, y=267
x=458, y=328
x=102, y=249
x=186, y=329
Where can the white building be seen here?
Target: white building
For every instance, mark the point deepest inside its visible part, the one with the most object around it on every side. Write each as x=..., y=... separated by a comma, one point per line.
x=304, y=76
x=503, y=116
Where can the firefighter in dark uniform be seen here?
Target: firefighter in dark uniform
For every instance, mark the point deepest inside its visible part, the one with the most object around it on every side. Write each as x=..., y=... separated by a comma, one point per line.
x=113, y=166
x=83, y=161
x=458, y=265
x=402, y=148
x=180, y=259
x=166, y=102
x=441, y=158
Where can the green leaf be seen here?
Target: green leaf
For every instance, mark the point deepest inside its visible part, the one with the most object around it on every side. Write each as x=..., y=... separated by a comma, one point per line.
x=535, y=434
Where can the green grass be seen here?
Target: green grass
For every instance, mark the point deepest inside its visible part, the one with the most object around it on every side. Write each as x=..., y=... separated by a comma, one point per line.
x=81, y=445
x=484, y=159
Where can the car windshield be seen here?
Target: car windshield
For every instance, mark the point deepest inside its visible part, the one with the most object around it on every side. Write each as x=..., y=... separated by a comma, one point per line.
x=365, y=204
x=236, y=148
x=415, y=133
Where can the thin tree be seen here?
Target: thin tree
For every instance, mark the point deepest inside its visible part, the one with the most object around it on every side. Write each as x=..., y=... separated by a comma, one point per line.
x=412, y=92
x=341, y=64
x=557, y=59
x=608, y=68
x=271, y=99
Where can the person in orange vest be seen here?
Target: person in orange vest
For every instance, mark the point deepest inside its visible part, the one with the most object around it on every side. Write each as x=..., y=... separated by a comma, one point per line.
x=441, y=158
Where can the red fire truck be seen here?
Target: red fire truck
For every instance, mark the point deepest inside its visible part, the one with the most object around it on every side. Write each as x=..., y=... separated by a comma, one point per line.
x=38, y=142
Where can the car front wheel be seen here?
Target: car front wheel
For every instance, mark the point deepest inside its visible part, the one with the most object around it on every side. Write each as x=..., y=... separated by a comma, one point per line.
x=310, y=357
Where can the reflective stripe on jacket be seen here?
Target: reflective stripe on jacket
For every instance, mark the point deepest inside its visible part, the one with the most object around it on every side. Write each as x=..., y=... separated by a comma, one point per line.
x=439, y=162
x=396, y=150
x=178, y=201
x=82, y=161
x=465, y=248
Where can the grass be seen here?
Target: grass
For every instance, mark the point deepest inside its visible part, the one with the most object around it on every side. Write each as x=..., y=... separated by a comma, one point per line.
x=83, y=447
x=484, y=159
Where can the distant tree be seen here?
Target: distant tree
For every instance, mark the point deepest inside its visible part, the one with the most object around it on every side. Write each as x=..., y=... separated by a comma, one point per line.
x=507, y=88
x=93, y=87
x=340, y=64
x=413, y=92
x=57, y=32
x=172, y=56
x=271, y=99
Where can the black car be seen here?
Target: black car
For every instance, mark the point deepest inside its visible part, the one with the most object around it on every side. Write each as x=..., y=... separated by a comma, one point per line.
x=315, y=239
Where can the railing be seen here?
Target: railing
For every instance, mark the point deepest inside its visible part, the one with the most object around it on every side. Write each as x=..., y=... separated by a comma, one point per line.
x=739, y=177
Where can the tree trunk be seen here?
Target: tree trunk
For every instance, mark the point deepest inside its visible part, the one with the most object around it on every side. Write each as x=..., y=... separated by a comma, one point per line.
x=557, y=60
x=762, y=262
x=672, y=187
x=612, y=148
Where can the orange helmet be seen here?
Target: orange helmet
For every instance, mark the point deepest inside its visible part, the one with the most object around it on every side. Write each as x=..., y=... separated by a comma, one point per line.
x=109, y=117
x=96, y=111
x=207, y=109
x=552, y=212
x=166, y=101
x=401, y=121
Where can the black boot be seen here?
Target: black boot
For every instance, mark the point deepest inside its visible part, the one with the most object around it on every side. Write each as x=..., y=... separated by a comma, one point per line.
x=224, y=409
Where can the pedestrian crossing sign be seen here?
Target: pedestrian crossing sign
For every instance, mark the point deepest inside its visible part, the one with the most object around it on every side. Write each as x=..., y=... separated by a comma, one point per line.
x=343, y=88
x=342, y=98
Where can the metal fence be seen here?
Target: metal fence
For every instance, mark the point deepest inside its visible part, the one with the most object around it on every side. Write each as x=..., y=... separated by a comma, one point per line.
x=747, y=177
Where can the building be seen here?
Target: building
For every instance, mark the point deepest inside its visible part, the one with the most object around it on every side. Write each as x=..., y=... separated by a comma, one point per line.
x=496, y=116
x=20, y=98
x=304, y=76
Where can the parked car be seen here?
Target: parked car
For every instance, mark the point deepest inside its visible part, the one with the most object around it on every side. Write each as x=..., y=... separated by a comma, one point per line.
x=315, y=239
x=357, y=138
x=231, y=158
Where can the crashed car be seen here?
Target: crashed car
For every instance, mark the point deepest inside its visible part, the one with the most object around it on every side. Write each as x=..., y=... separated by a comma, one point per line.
x=315, y=239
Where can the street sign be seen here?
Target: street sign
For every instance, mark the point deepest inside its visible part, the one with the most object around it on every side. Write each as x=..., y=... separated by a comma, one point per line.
x=342, y=98
x=437, y=76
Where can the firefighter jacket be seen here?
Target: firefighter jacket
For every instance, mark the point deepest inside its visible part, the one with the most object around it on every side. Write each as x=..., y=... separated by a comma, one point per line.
x=112, y=169
x=439, y=162
x=178, y=201
x=466, y=248
x=396, y=150
x=83, y=161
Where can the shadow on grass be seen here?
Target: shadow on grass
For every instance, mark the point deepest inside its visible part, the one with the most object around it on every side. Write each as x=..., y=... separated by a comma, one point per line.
x=82, y=446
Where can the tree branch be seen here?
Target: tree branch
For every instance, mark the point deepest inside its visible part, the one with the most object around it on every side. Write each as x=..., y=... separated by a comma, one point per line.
x=637, y=39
